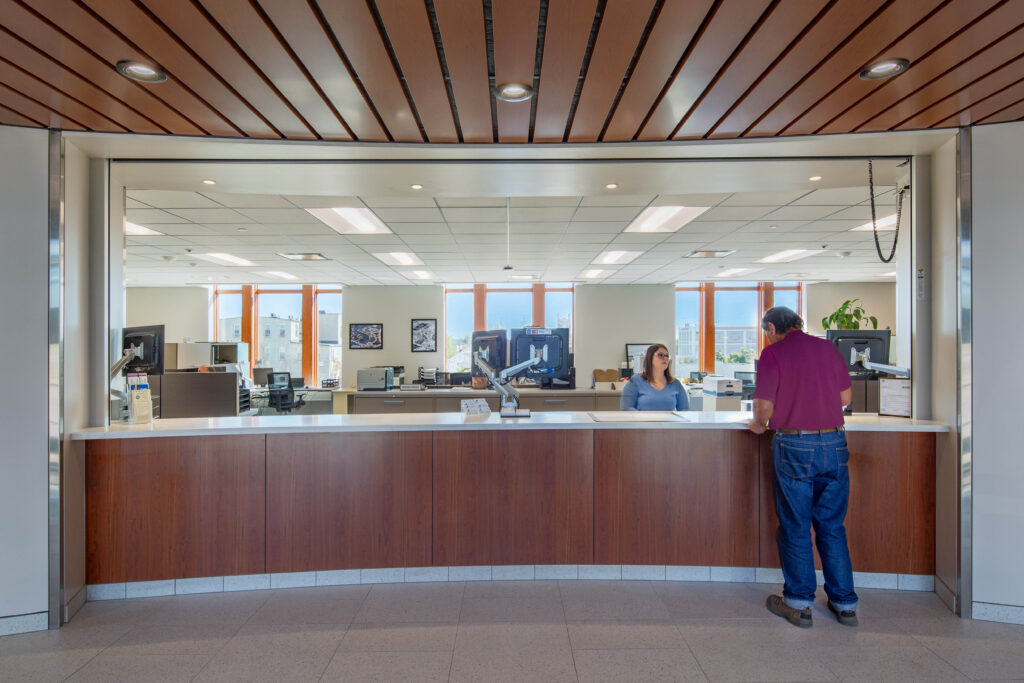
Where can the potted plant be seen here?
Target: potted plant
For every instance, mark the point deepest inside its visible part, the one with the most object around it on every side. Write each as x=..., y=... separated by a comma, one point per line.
x=849, y=316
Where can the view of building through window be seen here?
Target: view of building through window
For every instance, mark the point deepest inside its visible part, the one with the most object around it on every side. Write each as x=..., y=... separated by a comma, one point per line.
x=279, y=330
x=229, y=315
x=458, y=328
x=328, y=343
x=687, y=355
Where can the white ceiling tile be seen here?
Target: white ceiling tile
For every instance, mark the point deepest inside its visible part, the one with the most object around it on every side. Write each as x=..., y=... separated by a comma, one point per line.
x=772, y=227
x=173, y=199
x=419, y=228
x=691, y=199
x=478, y=215
x=422, y=201
x=292, y=215
x=612, y=199
x=735, y=213
x=470, y=201
x=607, y=213
x=153, y=217
x=597, y=226
x=543, y=202
x=835, y=196
x=801, y=213
x=210, y=215
x=130, y=203
x=767, y=198
x=325, y=202
x=155, y=240
x=419, y=215
x=249, y=201
x=554, y=213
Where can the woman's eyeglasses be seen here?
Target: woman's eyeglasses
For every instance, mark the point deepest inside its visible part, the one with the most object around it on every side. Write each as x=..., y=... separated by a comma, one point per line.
x=663, y=356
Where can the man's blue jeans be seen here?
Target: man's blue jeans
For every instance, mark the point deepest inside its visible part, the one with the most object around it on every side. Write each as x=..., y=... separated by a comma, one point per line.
x=812, y=487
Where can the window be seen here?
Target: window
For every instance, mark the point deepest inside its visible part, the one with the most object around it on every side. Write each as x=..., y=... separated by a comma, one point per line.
x=229, y=315
x=509, y=310
x=558, y=304
x=328, y=344
x=458, y=329
x=736, y=327
x=687, y=353
x=281, y=310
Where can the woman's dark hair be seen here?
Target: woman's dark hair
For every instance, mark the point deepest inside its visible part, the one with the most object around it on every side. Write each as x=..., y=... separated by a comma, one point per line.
x=649, y=363
x=784, y=319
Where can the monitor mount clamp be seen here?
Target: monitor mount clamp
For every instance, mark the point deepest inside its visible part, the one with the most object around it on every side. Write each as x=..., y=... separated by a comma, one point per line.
x=131, y=353
x=509, y=394
x=864, y=358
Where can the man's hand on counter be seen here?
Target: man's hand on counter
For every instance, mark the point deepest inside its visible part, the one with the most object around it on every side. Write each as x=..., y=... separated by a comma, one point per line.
x=762, y=412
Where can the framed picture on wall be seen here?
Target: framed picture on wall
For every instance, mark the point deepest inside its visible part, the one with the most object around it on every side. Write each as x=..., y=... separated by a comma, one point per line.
x=635, y=350
x=424, y=335
x=366, y=336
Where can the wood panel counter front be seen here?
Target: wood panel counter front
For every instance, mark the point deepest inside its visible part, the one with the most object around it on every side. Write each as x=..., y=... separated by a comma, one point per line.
x=176, y=501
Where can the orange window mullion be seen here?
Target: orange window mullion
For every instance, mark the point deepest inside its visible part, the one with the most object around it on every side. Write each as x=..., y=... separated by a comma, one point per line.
x=216, y=314
x=479, y=307
x=538, y=305
x=308, y=334
x=765, y=300
x=249, y=322
x=707, y=327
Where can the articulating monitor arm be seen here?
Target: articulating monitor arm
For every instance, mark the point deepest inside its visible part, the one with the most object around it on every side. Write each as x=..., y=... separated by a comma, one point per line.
x=509, y=394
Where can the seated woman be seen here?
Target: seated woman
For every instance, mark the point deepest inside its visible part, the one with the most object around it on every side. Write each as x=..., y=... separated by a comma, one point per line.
x=655, y=389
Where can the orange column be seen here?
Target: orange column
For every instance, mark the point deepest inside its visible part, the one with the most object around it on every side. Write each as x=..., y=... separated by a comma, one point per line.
x=249, y=322
x=707, y=327
x=538, y=305
x=479, y=308
x=309, y=334
x=765, y=300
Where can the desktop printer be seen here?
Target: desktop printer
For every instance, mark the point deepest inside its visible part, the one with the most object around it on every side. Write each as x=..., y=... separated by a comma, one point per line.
x=375, y=379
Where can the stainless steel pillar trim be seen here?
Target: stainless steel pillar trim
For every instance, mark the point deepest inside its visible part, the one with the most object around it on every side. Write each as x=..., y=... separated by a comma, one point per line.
x=964, y=367
x=55, y=374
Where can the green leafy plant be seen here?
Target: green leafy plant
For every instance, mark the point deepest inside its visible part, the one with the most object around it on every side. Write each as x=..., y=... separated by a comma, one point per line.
x=849, y=316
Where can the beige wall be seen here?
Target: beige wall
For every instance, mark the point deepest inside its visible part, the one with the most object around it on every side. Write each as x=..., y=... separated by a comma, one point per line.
x=395, y=307
x=607, y=317
x=184, y=311
x=879, y=300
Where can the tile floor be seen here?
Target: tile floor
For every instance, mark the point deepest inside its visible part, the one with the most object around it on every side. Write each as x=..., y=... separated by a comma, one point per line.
x=511, y=631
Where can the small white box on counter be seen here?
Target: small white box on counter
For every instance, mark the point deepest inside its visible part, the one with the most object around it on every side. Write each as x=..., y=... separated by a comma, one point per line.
x=722, y=386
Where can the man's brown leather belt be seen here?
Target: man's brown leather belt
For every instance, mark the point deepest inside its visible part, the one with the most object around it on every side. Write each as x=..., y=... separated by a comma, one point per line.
x=826, y=430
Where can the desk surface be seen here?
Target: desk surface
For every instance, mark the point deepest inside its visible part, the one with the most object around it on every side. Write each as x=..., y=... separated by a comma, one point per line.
x=413, y=422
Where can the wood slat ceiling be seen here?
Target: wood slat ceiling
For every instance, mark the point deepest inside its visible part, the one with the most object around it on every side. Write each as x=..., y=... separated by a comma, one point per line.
x=603, y=70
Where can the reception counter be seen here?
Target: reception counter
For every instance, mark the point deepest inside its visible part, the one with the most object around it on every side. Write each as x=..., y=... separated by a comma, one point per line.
x=310, y=495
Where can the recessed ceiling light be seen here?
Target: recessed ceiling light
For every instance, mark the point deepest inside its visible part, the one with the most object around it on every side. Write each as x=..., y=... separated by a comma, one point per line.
x=303, y=256
x=595, y=273
x=420, y=275
x=209, y=182
x=136, y=229
x=664, y=218
x=887, y=224
x=279, y=274
x=814, y=178
x=886, y=68
x=513, y=92
x=399, y=258
x=416, y=186
x=773, y=227
x=615, y=257
x=892, y=274
x=787, y=255
x=729, y=272
x=611, y=186
x=242, y=229
x=351, y=221
x=137, y=71
x=522, y=277
x=710, y=254
x=224, y=259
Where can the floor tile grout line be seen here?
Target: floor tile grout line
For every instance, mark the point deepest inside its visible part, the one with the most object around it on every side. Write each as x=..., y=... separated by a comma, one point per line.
x=939, y=655
x=348, y=627
x=224, y=645
x=458, y=624
x=568, y=637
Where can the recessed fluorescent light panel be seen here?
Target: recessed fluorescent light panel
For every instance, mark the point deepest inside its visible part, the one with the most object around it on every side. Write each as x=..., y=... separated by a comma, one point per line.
x=399, y=258
x=303, y=256
x=224, y=259
x=595, y=273
x=729, y=272
x=787, y=255
x=136, y=229
x=887, y=224
x=279, y=274
x=664, y=218
x=615, y=257
x=522, y=277
x=710, y=254
x=351, y=221
x=892, y=274
x=420, y=275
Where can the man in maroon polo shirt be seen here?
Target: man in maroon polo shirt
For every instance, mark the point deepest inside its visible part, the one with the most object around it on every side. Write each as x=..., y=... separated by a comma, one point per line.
x=802, y=386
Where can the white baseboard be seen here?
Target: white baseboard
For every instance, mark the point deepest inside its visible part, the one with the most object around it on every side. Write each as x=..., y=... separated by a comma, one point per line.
x=24, y=623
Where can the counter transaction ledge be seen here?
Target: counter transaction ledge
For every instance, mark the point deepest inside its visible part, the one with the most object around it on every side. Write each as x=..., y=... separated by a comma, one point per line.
x=220, y=504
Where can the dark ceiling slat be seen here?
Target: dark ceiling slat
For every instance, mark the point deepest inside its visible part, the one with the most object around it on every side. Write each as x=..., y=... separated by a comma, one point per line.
x=666, y=44
x=305, y=35
x=716, y=45
x=62, y=79
x=515, y=52
x=9, y=117
x=622, y=27
x=352, y=24
x=248, y=29
x=1011, y=113
x=1005, y=50
x=847, y=61
x=829, y=32
x=465, y=49
x=948, y=21
x=56, y=100
x=112, y=47
x=203, y=38
x=984, y=109
x=127, y=18
x=100, y=73
x=31, y=109
x=990, y=85
x=965, y=45
x=785, y=23
x=412, y=38
x=565, y=42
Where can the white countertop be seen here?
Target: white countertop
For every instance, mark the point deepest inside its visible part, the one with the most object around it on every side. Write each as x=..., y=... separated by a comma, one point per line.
x=411, y=422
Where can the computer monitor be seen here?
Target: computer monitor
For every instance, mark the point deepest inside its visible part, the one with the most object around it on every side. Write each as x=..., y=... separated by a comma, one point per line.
x=552, y=344
x=279, y=379
x=492, y=345
x=150, y=338
x=260, y=376
x=745, y=376
x=876, y=342
x=298, y=382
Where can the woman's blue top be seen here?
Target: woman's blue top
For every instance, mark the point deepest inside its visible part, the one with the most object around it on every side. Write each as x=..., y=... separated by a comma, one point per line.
x=638, y=394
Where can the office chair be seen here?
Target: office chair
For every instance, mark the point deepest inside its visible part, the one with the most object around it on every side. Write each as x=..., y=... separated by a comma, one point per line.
x=281, y=396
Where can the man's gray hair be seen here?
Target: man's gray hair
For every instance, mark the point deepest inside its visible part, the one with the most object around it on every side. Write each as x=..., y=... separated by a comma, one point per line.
x=784, y=319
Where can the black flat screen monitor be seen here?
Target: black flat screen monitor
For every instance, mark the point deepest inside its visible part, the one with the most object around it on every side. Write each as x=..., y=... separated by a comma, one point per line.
x=278, y=380
x=552, y=345
x=492, y=345
x=260, y=376
x=876, y=342
x=298, y=382
x=745, y=376
x=151, y=339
